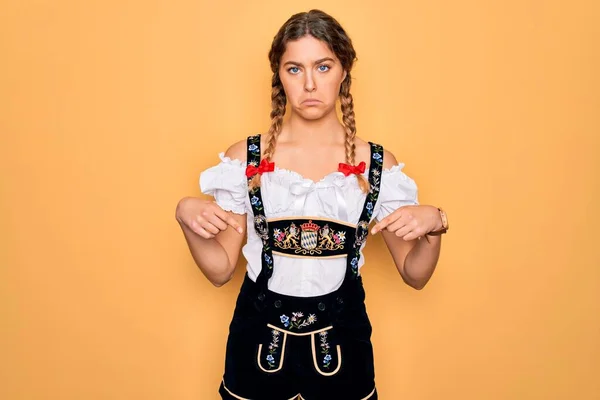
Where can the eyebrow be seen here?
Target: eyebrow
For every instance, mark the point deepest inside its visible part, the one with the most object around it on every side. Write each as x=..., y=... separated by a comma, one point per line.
x=319, y=61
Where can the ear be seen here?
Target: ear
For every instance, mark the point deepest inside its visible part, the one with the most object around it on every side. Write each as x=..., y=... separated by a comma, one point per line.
x=344, y=76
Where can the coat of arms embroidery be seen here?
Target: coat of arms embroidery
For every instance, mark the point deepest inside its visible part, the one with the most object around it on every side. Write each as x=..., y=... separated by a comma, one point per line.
x=309, y=238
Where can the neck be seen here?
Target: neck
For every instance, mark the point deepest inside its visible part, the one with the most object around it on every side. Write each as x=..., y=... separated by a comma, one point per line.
x=320, y=131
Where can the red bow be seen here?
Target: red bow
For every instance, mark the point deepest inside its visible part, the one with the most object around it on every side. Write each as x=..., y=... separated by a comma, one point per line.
x=348, y=169
x=264, y=166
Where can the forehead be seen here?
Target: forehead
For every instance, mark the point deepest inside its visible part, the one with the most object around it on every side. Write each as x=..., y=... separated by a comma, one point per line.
x=306, y=50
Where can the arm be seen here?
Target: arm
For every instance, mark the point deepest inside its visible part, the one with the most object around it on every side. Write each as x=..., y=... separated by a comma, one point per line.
x=214, y=236
x=414, y=257
x=216, y=256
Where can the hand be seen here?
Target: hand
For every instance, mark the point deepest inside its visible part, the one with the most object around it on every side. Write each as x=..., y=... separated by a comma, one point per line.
x=411, y=222
x=205, y=217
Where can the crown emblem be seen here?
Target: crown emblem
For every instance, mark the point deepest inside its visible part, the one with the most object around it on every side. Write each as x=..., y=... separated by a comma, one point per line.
x=310, y=226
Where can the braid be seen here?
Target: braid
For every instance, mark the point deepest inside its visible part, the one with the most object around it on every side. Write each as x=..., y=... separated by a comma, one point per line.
x=278, y=102
x=347, y=105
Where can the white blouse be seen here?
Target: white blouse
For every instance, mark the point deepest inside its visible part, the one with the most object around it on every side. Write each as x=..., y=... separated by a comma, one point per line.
x=286, y=193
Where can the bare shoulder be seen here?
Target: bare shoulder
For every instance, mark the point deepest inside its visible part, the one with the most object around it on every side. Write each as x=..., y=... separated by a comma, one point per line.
x=363, y=149
x=389, y=160
x=363, y=152
x=237, y=151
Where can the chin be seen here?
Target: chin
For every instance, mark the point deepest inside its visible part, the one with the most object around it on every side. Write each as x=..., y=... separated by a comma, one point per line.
x=312, y=116
x=313, y=113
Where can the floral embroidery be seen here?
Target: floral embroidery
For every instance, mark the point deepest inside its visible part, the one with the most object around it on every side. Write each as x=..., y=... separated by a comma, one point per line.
x=254, y=148
x=325, y=349
x=260, y=221
x=310, y=238
x=375, y=180
x=297, y=321
x=273, y=346
x=362, y=229
x=268, y=259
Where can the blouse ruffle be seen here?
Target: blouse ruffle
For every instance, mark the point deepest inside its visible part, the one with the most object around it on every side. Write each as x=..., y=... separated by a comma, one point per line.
x=227, y=183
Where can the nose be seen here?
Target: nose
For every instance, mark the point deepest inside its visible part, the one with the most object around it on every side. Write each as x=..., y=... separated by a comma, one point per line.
x=309, y=83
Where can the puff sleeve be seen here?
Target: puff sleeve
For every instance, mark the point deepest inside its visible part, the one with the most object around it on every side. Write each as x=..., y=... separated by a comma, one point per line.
x=397, y=190
x=227, y=183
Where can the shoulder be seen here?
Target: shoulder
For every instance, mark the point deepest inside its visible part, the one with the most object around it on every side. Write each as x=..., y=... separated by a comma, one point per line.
x=363, y=151
x=389, y=160
x=239, y=150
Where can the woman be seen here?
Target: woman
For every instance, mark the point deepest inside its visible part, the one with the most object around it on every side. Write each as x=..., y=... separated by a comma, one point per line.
x=300, y=327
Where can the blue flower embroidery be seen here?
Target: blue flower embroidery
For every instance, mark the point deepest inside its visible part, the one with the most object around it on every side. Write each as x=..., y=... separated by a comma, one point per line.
x=354, y=262
x=325, y=349
x=267, y=259
x=298, y=321
x=369, y=206
x=254, y=200
x=377, y=156
x=253, y=148
x=273, y=346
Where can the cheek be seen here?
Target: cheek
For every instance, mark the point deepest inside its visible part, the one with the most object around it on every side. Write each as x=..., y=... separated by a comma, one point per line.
x=293, y=90
x=330, y=88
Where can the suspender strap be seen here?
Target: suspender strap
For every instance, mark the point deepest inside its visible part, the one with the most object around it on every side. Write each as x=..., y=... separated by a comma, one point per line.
x=260, y=220
x=362, y=228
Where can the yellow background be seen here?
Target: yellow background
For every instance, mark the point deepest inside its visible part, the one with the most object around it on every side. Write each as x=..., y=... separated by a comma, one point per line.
x=109, y=110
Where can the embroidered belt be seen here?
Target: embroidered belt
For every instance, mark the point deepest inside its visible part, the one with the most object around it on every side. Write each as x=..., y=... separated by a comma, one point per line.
x=311, y=237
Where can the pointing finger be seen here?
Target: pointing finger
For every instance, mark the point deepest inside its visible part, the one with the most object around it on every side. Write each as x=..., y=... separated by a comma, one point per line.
x=233, y=223
x=229, y=220
x=381, y=225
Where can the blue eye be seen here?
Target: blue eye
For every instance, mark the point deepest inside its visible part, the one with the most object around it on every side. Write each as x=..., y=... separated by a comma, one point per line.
x=294, y=70
x=323, y=68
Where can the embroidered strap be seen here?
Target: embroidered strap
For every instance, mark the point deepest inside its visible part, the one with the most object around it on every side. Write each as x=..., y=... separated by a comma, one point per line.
x=362, y=228
x=260, y=220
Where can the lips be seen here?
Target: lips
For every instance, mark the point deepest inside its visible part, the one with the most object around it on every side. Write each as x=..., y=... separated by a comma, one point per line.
x=311, y=101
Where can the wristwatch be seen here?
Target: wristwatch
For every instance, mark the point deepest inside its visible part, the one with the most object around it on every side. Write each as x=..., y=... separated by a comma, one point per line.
x=445, y=225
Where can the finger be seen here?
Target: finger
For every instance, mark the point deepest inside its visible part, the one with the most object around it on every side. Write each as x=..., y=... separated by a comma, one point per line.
x=402, y=232
x=233, y=223
x=414, y=234
x=229, y=220
x=200, y=231
x=210, y=228
x=396, y=225
x=381, y=225
x=387, y=221
x=206, y=225
x=217, y=222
